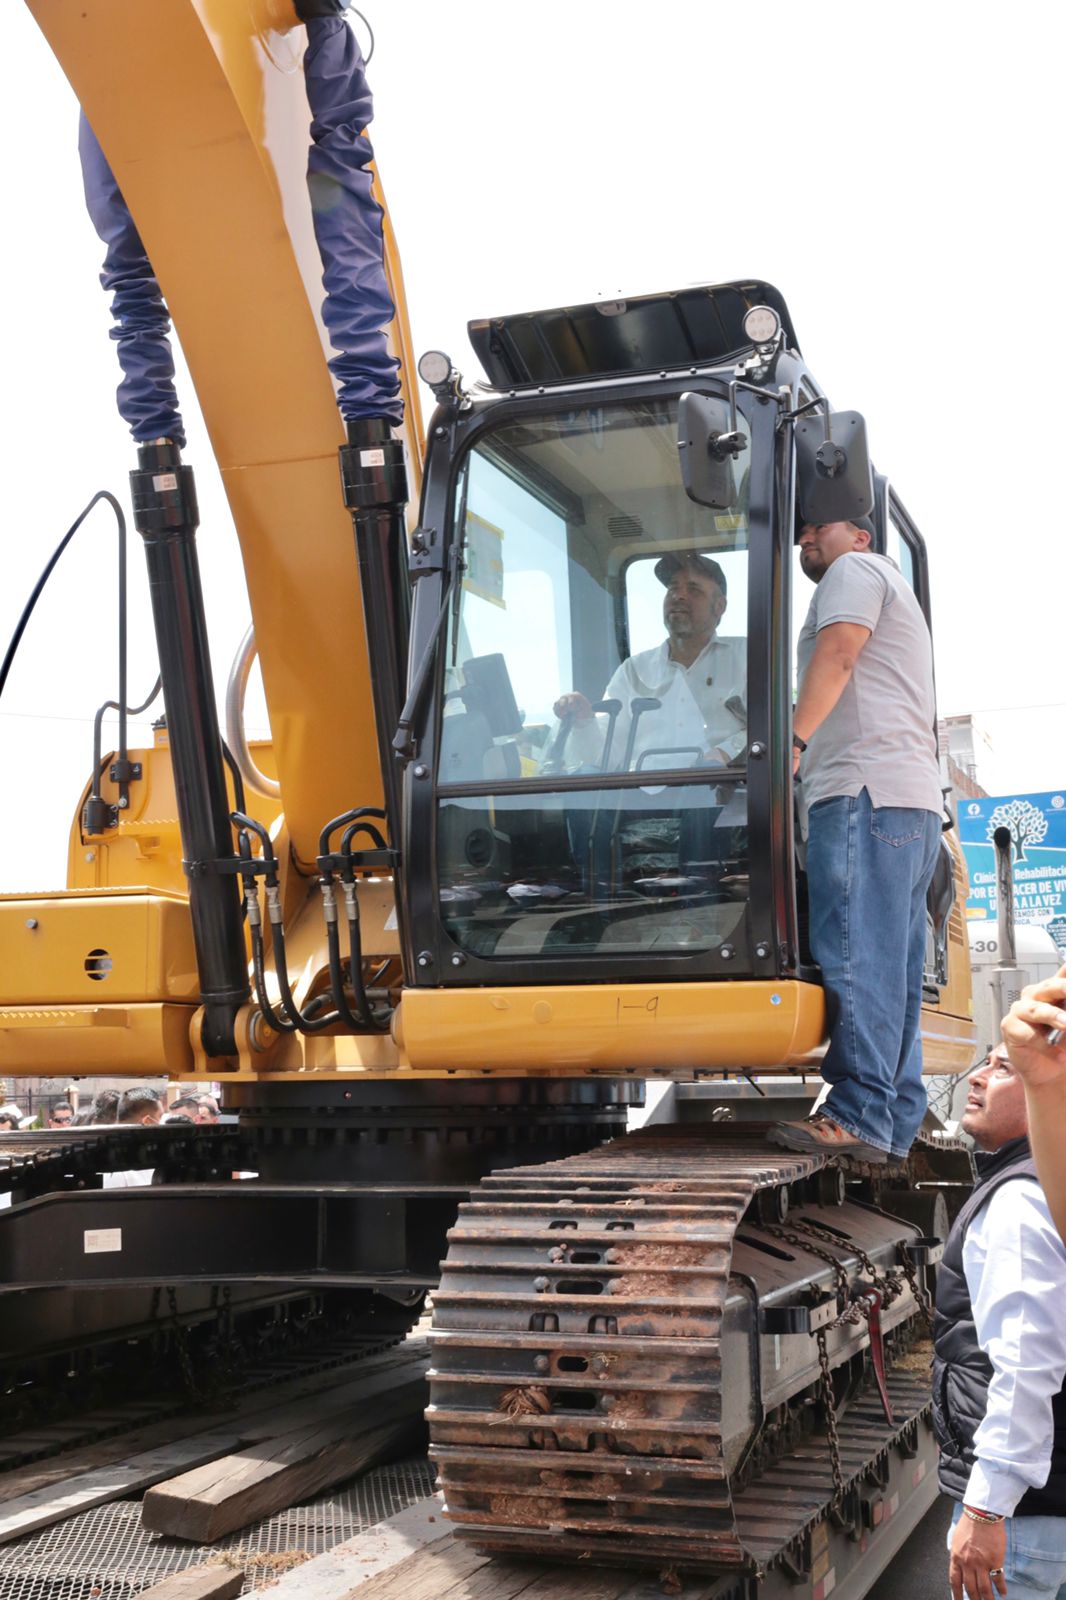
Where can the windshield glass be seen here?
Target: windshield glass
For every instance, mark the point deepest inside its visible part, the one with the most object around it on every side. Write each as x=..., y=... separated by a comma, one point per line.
x=599, y=630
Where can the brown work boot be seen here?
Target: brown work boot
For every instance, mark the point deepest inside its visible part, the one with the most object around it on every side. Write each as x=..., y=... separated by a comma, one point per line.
x=820, y=1135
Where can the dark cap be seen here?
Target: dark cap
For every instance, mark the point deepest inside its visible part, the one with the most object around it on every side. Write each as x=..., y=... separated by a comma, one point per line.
x=667, y=567
x=865, y=523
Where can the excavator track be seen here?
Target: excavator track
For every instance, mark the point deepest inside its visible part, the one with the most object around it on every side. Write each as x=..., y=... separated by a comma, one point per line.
x=581, y=1409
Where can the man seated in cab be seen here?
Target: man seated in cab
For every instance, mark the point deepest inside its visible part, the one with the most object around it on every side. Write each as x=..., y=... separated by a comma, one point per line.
x=698, y=679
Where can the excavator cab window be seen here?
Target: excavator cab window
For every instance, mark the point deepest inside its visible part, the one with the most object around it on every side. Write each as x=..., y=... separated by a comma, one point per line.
x=593, y=728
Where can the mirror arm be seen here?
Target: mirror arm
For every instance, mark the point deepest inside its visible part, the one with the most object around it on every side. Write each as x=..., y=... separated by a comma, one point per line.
x=812, y=405
x=734, y=443
x=778, y=396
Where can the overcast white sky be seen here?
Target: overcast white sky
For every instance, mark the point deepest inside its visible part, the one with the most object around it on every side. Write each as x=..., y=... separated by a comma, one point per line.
x=891, y=168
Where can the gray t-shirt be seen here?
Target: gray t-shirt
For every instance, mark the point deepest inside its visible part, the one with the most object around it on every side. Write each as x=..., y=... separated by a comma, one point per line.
x=879, y=736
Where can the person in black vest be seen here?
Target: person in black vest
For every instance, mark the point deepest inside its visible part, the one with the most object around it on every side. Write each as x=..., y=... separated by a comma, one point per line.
x=999, y=1409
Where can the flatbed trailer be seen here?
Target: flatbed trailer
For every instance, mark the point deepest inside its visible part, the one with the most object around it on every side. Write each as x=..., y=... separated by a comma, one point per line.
x=354, y=1544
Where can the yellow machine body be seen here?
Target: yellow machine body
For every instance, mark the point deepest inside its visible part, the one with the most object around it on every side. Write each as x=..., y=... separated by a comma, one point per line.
x=208, y=142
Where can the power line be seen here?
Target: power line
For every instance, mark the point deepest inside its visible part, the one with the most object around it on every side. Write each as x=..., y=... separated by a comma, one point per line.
x=52, y=716
x=1042, y=705
x=252, y=730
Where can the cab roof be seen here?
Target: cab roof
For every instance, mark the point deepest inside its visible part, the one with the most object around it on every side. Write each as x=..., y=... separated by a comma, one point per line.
x=699, y=326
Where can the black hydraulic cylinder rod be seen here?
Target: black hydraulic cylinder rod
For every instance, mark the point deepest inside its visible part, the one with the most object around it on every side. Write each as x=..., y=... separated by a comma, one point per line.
x=1008, y=946
x=374, y=479
x=165, y=514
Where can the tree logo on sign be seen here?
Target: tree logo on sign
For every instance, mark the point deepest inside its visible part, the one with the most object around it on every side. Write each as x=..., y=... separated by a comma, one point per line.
x=1025, y=823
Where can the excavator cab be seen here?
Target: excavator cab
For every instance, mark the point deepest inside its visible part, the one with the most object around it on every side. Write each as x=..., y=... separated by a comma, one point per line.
x=598, y=787
x=581, y=805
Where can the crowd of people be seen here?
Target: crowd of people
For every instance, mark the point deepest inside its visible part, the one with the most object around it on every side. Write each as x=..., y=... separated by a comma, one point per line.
x=110, y=1108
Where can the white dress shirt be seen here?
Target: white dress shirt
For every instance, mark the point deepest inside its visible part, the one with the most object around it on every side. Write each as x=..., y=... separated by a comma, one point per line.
x=702, y=715
x=1015, y=1266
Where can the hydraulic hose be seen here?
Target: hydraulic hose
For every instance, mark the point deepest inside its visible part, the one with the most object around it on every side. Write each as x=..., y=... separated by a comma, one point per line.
x=364, y=1016
x=377, y=1021
x=38, y=588
x=255, y=924
x=98, y=724
x=290, y=1019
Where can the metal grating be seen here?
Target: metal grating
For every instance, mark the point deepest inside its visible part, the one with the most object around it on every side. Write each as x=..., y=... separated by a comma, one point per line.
x=105, y=1554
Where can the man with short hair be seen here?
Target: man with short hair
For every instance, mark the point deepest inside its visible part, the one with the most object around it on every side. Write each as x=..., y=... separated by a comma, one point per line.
x=999, y=1405
x=139, y=1105
x=699, y=680
x=61, y=1115
x=865, y=749
x=105, y=1107
x=190, y=1106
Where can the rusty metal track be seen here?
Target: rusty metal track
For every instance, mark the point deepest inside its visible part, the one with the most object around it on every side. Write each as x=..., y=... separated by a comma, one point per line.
x=577, y=1397
x=34, y=1163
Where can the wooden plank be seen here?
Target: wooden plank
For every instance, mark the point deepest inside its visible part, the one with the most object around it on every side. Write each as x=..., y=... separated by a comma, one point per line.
x=588, y=1583
x=253, y=1483
x=244, y=1417
x=430, y=1574
x=398, y=1548
x=197, y=1583
x=372, y=1551
x=651, y=1588
x=504, y=1580
x=388, y=1369
x=448, y=1569
x=270, y=1445
x=41, y=1507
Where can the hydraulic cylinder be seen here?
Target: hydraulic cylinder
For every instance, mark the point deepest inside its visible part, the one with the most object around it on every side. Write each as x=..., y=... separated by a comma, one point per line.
x=374, y=479
x=166, y=516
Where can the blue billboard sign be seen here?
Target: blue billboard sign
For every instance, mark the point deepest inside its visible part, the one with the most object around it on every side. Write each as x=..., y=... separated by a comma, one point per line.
x=1037, y=826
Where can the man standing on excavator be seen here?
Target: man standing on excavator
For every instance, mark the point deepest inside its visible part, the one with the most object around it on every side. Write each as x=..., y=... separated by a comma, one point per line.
x=865, y=750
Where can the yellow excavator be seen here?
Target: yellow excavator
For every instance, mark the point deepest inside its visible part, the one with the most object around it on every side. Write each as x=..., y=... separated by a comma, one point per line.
x=432, y=939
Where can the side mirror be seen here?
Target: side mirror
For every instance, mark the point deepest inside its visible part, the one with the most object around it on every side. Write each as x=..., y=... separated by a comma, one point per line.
x=835, y=481
x=708, y=442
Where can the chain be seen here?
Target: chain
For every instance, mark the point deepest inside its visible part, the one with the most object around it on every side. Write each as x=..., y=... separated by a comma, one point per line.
x=786, y=1234
x=924, y=1304
x=852, y=1310
x=181, y=1341
x=857, y=1311
x=889, y=1283
x=829, y=1402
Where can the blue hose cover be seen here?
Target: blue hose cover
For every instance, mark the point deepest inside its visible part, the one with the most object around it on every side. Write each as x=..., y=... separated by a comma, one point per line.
x=348, y=224
x=147, y=398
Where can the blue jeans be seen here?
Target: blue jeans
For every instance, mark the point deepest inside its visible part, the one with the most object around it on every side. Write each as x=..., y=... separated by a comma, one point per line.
x=868, y=871
x=1036, y=1557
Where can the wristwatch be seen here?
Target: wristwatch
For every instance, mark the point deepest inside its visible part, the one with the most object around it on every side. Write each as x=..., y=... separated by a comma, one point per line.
x=798, y=743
